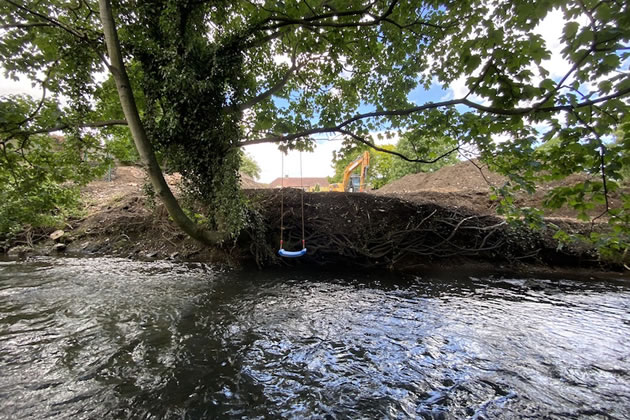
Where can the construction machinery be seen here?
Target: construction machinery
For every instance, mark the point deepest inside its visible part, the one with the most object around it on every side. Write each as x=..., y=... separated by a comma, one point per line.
x=354, y=182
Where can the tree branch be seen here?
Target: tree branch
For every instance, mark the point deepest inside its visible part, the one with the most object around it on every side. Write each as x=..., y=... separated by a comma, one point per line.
x=363, y=140
x=273, y=23
x=23, y=25
x=49, y=20
x=64, y=126
x=314, y=20
x=602, y=166
x=272, y=90
x=434, y=105
x=43, y=98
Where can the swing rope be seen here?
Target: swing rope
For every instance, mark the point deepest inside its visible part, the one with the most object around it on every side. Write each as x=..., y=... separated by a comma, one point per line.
x=302, y=202
x=282, y=205
x=282, y=252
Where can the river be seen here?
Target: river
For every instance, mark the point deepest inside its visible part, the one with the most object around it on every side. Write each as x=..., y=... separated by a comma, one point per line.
x=114, y=338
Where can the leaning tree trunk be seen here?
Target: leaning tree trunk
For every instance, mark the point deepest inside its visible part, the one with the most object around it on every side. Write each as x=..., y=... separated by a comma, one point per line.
x=145, y=149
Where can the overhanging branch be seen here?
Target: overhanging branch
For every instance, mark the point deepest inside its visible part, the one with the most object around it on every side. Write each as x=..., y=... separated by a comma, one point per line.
x=272, y=90
x=24, y=25
x=273, y=24
x=363, y=140
x=65, y=126
x=49, y=20
x=433, y=105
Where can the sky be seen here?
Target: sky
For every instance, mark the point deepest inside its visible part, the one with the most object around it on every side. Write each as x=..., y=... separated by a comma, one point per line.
x=11, y=87
x=319, y=162
x=314, y=164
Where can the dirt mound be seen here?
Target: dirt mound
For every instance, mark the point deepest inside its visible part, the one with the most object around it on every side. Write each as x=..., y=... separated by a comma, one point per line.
x=120, y=182
x=467, y=185
x=464, y=176
x=125, y=181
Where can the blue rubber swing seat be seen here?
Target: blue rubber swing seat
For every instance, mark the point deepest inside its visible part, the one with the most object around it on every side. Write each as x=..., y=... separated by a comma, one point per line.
x=291, y=254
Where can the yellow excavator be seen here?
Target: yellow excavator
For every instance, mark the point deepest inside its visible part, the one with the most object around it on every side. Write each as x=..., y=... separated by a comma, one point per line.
x=354, y=182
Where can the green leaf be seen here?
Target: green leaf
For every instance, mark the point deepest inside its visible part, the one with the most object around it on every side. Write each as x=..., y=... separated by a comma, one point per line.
x=570, y=29
x=548, y=84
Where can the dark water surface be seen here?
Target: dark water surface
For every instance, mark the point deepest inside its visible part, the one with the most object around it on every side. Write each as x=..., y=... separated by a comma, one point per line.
x=112, y=338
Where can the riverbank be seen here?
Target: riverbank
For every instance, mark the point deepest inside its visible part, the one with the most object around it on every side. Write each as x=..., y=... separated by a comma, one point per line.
x=350, y=229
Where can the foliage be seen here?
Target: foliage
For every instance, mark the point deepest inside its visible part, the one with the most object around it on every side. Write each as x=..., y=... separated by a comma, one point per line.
x=119, y=145
x=213, y=76
x=188, y=81
x=40, y=174
x=622, y=136
x=249, y=166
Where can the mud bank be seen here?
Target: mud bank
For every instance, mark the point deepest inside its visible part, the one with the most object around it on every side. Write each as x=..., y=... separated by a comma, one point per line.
x=370, y=230
x=361, y=230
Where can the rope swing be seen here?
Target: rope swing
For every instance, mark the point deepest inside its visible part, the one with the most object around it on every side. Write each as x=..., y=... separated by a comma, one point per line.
x=282, y=252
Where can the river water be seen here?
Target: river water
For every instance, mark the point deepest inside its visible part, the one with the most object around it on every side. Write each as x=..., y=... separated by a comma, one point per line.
x=113, y=338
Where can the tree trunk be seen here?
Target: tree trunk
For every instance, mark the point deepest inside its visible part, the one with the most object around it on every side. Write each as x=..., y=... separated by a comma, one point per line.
x=143, y=145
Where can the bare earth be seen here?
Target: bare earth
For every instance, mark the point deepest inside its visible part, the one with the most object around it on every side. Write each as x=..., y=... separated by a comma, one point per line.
x=467, y=185
x=421, y=220
x=127, y=181
x=461, y=186
x=120, y=220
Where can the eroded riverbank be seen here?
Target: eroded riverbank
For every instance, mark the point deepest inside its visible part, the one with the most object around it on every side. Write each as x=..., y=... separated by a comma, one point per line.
x=360, y=230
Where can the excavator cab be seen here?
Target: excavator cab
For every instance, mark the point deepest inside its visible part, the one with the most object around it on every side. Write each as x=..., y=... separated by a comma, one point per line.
x=355, y=183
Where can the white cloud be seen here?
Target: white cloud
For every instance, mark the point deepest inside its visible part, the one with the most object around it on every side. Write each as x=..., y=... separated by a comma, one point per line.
x=550, y=28
x=282, y=59
x=551, y=31
x=388, y=137
x=457, y=89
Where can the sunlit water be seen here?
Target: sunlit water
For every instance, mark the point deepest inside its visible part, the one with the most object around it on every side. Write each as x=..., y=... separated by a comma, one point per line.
x=112, y=338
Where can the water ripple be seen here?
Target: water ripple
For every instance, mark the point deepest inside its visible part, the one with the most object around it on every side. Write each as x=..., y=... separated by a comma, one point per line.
x=113, y=338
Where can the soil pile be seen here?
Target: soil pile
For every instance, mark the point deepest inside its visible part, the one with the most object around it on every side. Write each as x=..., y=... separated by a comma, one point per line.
x=466, y=185
x=126, y=181
x=120, y=182
x=464, y=176
x=248, y=183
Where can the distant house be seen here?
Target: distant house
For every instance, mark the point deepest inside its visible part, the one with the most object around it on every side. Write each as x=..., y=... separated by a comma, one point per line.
x=306, y=183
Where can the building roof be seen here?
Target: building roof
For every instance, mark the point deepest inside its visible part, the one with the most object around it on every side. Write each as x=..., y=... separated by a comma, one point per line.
x=296, y=182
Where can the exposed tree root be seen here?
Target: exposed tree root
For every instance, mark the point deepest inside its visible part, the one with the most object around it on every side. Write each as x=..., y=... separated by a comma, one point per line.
x=371, y=230
x=348, y=228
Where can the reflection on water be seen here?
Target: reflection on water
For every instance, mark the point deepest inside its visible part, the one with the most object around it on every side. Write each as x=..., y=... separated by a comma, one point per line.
x=112, y=338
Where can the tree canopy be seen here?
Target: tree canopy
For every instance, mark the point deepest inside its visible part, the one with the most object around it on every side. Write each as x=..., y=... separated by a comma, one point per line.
x=249, y=166
x=210, y=77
